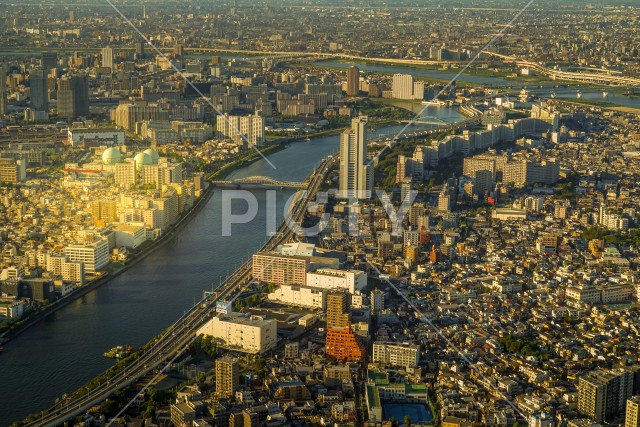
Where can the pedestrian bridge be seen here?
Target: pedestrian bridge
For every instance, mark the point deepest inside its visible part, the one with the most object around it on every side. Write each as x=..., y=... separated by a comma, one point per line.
x=258, y=182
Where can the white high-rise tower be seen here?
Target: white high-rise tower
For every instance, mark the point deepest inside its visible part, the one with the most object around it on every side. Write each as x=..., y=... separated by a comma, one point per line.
x=107, y=57
x=356, y=176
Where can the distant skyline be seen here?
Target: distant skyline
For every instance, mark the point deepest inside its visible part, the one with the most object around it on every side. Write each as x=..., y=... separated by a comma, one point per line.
x=346, y=4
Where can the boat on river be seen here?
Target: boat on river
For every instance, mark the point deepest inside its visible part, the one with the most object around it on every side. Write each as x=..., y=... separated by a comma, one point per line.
x=118, y=352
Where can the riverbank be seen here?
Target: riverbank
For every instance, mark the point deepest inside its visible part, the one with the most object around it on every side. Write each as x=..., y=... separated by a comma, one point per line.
x=84, y=290
x=278, y=144
x=246, y=160
x=598, y=104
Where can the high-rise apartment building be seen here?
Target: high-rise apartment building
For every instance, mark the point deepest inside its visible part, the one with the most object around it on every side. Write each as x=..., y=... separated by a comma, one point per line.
x=404, y=168
x=48, y=60
x=12, y=170
x=3, y=90
x=602, y=395
x=377, y=301
x=444, y=199
x=353, y=81
x=125, y=174
x=632, y=412
x=338, y=309
x=106, y=55
x=341, y=342
x=356, y=175
x=519, y=171
x=403, y=87
x=227, y=377
x=73, y=96
x=104, y=212
x=140, y=49
x=38, y=92
x=128, y=114
x=243, y=130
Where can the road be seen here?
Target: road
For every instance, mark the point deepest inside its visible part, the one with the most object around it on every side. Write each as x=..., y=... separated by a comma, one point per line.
x=606, y=78
x=182, y=333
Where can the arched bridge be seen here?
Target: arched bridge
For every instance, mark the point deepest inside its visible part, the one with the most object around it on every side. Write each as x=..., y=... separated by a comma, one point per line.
x=257, y=181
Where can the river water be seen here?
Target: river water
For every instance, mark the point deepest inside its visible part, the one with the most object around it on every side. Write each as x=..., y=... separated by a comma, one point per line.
x=594, y=94
x=63, y=352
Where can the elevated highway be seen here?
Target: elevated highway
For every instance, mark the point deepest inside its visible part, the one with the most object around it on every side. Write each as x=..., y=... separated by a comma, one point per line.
x=181, y=334
x=611, y=78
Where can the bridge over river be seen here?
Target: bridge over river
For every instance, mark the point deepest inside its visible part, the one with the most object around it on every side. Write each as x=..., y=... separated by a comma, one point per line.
x=257, y=182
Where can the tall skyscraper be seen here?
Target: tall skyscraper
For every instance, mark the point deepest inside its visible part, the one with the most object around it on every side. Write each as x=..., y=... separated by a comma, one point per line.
x=341, y=343
x=107, y=57
x=632, y=418
x=227, y=376
x=403, y=87
x=338, y=310
x=48, y=60
x=73, y=96
x=444, y=199
x=377, y=301
x=356, y=176
x=38, y=90
x=3, y=90
x=353, y=81
x=140, y=49
x=178, y=50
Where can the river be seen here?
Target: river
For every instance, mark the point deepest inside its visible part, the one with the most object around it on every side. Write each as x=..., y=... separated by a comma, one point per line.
x=594, y=94
x=64, y=351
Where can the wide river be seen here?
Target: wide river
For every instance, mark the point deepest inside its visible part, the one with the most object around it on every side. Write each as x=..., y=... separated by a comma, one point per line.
x=615, y=95
x=63, y=352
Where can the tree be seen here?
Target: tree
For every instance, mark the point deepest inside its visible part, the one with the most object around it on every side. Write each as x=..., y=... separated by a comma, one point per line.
x=109, y=407
x=407, y=420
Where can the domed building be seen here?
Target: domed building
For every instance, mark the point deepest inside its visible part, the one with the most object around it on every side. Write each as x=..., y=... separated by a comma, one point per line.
x=142, y=159
x=111, y=156
x=154, y=155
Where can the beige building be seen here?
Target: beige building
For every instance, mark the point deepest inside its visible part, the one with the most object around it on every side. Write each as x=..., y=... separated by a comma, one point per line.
x=280, y=269
x=632, y=415
x=396, y=354
x=227, y=377
x=12, y=171
x=239, y=128
x=247, y=334
x=127, y=115
x=70, y=271
x=404, y=87
x=125, y=174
